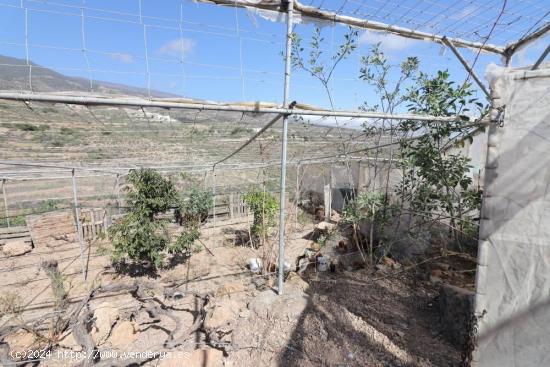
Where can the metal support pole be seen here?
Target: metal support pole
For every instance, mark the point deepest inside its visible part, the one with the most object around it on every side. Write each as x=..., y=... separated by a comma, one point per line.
x=118, y=203
x=78, y=226
x=467, y=67
x=5, y=202
x=213, y=199
x=141, y=102
x=297, y=189
x=541, y=58
x=281, y=272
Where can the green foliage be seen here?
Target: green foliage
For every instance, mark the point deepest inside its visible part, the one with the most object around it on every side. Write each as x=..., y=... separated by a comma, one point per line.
x=48, y=206
x=315, y=63
x=366, y=205
x=434, y=181
x=194, y=209
x=149, y=193
x=18, y=220
x=265, y=207
x=138, y=236
x=186, y=240
x=374, y=208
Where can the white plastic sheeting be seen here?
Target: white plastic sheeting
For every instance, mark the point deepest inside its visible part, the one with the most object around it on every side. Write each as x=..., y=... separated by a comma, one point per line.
x=513, y=284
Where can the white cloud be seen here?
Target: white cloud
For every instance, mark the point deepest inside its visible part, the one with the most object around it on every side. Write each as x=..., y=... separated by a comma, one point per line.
x=388, y=41
x=177, y=47
x=123, y=58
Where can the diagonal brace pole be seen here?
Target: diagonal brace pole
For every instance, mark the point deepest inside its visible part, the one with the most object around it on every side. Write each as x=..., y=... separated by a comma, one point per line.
x=541, y=58
x=467, y=66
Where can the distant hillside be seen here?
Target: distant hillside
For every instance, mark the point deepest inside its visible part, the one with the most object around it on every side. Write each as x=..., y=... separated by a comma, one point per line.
x=14, y=75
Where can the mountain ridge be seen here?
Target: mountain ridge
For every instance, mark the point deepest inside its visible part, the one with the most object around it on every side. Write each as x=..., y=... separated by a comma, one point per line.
x=14, y=75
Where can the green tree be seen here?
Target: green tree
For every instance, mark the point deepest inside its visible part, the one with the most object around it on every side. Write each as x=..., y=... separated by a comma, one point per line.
x=138, y=236
x=265, y=207
x=149, y=193
x=436, y=184
x=195, y=207
x=192, y=211
x=375, y=70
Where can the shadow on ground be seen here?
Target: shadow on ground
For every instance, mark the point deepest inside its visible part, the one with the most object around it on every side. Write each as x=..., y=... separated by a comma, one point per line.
x=351, y=321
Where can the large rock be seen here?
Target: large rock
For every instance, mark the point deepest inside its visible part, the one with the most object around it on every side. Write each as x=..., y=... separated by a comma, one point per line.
x=325, y=226
x=105, y=316
x=456, y=306
x=21, y=342
x=68, y=342
x=123, y=335
x=223, y=313
x=16, y=248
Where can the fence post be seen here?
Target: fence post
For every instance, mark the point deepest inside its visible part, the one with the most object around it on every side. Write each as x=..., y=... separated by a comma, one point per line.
x=118, y=193
x=231, y=206
x=5, y=202
x=78, y=226
x=280, y=275
x=213, y=199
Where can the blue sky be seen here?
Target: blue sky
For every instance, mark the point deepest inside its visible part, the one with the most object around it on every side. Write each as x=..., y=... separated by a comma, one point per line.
x=218, y=53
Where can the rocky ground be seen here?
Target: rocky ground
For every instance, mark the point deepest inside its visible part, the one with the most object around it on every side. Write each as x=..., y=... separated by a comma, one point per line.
x=212, y=311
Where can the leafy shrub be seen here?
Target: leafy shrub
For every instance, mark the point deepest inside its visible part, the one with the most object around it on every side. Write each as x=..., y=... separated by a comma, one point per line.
x=436, y=184
x=192, y=211
x=185, y=241
x=371, y=206
x=149, y=193
x=139, y=239
x=195, y=207
x=138, y=236
x=265, y=207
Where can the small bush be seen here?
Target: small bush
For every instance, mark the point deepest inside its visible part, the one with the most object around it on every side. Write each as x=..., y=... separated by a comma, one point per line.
x=139, y=239
x=138, y=236
x=195, y=207
x=149, y=193
x=265, y=207
x=185, y=241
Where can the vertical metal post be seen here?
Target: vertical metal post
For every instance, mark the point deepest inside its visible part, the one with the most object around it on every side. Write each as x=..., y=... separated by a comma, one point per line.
x=5, y=202
x=118, y=203
x=297, y=198
x=78, y=226
x=283, y=149
x=213, y=199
